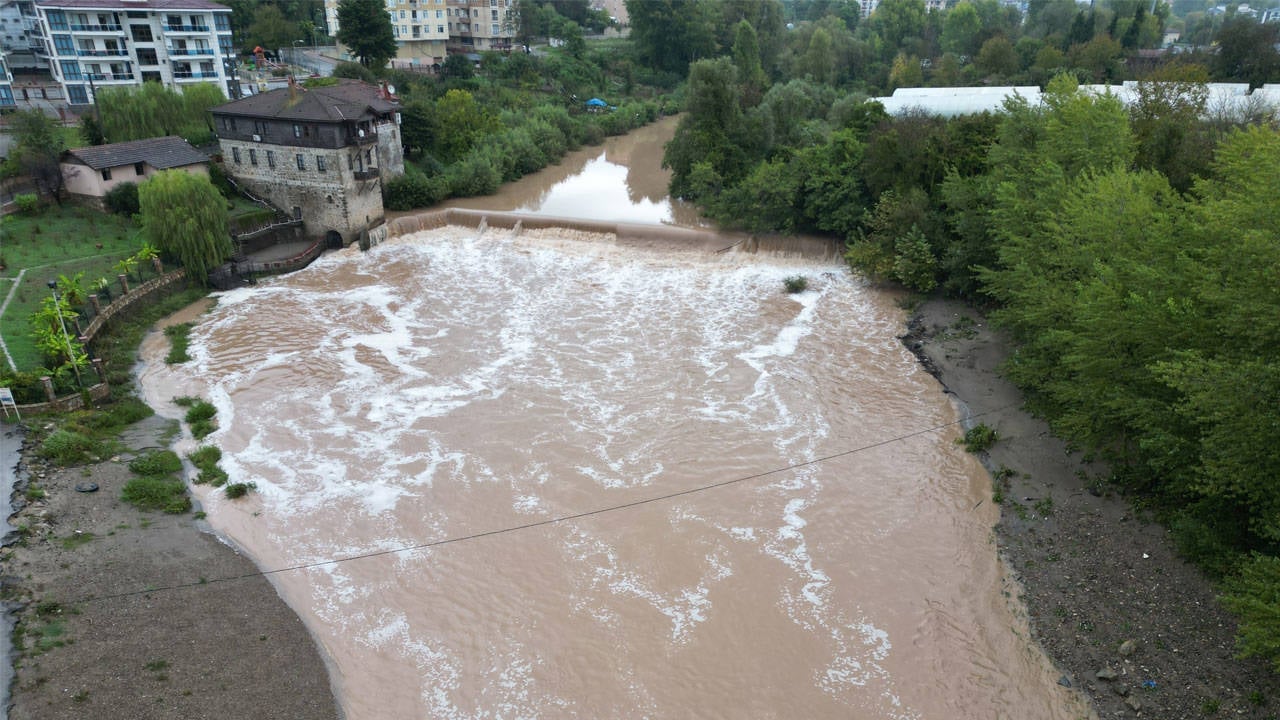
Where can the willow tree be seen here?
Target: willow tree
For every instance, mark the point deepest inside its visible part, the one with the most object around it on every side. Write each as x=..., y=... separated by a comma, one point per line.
x=185, y=217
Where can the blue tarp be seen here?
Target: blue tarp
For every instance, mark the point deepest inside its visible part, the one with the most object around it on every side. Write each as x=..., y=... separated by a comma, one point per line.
x=597, y=102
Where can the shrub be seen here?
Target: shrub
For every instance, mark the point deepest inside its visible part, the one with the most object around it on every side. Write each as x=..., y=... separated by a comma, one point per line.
x=69, y=447
x=157, y=493
x=199, y=415
x=473, y=176
x=26, y=386
x=123, y=199
x=240, y=489
x=1254, y=596
x=28, y=203
x=414, y=189
x=212, y=475
x=124, y=411
x=979, y=438
x=796, y=284
x=156, y=464
x=205, y=456
x=179, y=338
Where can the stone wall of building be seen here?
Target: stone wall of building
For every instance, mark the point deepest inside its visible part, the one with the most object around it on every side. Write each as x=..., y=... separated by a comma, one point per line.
x=345, y=197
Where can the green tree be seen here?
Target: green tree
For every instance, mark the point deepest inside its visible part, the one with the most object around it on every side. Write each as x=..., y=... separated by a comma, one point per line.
x=1167, y=127
x=460, y=122
x=746, y=57
x=38, y=146
x=896, y=21
x=671, y=34
x=1247, y=52
x=997, y=57
x=819, y=61
x=365, y=28
x=270, y=29
x=960, y=30
x=185, y=217
x=712, y=130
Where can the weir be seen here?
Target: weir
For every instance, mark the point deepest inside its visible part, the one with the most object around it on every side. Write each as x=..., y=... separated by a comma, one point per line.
x=633, y=235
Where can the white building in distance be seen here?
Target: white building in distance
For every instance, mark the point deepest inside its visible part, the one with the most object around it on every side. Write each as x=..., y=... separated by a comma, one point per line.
x=91, y=44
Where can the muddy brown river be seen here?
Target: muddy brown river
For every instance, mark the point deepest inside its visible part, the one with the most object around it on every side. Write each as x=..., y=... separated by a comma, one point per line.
x=543, y=474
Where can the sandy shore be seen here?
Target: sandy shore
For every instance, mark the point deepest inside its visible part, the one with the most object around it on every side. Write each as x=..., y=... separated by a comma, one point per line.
x=105, y=636
x=1107, y=594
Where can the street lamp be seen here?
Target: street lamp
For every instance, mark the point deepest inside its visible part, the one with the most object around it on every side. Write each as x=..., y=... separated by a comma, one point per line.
x=71, y=355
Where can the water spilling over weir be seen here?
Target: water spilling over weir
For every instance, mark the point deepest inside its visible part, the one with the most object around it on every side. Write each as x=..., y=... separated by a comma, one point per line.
x=590, y=474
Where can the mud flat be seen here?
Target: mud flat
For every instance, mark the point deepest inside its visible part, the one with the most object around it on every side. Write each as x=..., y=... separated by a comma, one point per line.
x=1107, y=593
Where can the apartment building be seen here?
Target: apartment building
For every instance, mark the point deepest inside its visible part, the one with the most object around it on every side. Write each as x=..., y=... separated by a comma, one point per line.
x=428, y=30
x=91, y=44
x=6, y=83
x=20, y=34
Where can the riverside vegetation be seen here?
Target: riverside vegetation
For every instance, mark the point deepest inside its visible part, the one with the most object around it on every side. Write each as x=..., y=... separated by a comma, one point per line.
x=1131, y=252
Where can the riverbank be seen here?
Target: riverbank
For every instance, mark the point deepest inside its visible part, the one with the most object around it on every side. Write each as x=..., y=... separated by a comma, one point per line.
x=126, y=613
x=1121, y=614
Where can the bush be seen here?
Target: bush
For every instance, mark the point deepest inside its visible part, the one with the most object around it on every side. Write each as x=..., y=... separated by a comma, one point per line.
x=473, y=176
x=156, y=464
x=414, y=189
x=213, y=475
x=157, y=493
x=179, y=338
x=205, y=456
x=28, y=203
x=26, y=386
x=979, y=438
x=796, y=284
x=123, y=199
x=69, y=447
x=1254, y=596
x=218, y=176
x=199, y=415
x=240, y=489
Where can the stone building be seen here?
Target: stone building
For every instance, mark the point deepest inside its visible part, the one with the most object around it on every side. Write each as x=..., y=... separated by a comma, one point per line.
x=318, y=153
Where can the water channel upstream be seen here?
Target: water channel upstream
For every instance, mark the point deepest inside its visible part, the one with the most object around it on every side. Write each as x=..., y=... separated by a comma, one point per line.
x=576, y=478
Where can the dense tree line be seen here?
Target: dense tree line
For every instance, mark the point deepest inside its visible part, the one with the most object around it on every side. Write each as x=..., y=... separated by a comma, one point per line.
x=1131, y=251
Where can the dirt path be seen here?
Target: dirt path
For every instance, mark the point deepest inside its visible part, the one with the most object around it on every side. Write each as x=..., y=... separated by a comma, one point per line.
x=101, y=638
x=1107, y=593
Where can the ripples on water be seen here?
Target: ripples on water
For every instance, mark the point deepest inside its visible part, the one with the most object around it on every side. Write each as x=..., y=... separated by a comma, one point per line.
x=449, y=384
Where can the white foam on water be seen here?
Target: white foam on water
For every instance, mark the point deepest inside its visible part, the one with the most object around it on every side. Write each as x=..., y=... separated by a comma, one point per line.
x=478, y=328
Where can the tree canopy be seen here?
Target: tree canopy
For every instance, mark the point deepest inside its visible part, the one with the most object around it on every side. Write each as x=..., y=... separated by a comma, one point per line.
x=365, y=28
x=184, y=216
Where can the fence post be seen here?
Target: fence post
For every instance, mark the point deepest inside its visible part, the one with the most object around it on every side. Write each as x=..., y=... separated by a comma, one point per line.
x=99, y=368
x=97, y=305
x=155, y=262
x=47, y=382
x=124, y=283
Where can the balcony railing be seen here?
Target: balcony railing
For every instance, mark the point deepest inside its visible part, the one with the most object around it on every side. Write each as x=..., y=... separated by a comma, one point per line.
x=189, y=75
x=368, y=138
x=96, y=28
x=107, y=77
x=369, y=174
x=192, y=51
x=119, y=52
x=186, y=28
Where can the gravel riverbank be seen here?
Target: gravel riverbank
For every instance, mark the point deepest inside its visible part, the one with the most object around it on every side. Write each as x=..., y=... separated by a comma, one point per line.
x=1126, y=620
x=128, y=614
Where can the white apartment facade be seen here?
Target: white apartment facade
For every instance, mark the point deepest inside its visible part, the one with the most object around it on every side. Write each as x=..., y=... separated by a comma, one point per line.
x=91, y=44
x=6, y=83
x=426, y=31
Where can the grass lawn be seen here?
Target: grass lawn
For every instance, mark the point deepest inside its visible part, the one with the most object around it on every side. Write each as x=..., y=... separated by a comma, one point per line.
x=59, y=241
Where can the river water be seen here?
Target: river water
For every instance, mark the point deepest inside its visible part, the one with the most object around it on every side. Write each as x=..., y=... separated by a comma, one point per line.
x=589, y=480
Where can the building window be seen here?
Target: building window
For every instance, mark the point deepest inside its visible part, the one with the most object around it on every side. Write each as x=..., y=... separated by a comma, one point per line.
x=71, y=70
x=139, y=169
x=77, y=95
x=253, y=156
x=271, y=158
x=297, y=130
x=141, y=33
x=320, y=167
x=235, y=154
x=106, y=174
x=222, y=22
x=57, y=20
x=302, y=162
